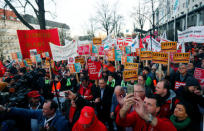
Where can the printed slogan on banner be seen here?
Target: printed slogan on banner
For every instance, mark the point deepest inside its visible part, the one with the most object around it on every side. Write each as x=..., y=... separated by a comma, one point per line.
x=160, y=58
x=169, y=46
x=181, y=57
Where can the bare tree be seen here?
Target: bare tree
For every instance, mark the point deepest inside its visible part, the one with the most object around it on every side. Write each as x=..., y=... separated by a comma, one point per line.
x=37, y=6
x=138, y=17
x=107, y=18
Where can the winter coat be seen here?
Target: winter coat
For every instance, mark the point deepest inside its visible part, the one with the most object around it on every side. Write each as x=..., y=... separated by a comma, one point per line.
x=59, y=122
x=132, y=119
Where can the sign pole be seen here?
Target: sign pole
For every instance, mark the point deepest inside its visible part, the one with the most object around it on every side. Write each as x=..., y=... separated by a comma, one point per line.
x=168, y=68
x=160, y=72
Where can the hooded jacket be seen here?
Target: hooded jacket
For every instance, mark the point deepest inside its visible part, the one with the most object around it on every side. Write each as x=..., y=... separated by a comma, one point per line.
x=169, y=103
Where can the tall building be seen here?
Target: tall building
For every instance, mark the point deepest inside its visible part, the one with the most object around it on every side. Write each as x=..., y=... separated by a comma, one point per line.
x=173, y=15
x=9, y=23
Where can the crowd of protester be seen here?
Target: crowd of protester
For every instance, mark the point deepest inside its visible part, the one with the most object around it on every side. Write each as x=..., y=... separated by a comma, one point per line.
x=63, y=101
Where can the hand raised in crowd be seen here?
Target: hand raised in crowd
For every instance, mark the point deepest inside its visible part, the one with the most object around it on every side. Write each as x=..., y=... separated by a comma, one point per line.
x=70, y=95
x=140, y=108
x=129, y=101
x=97, y=100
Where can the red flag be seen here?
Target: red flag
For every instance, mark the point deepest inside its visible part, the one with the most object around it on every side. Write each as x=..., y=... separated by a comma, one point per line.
x=2, y=69
x=141, y=45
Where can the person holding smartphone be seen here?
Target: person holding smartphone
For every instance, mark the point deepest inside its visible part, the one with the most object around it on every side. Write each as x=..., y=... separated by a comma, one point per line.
x=145, y=114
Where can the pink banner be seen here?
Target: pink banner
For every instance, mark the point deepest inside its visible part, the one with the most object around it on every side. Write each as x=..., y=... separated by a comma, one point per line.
x=199, y=75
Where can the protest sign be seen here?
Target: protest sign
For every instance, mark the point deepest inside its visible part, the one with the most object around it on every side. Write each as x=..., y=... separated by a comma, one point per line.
x=94, y=49
x=71, y=68
x=178, y=84
x=37, y=39
x=130, y=75
x=71, y=60
x=77, y=67
x=94, y=68
x=33, y=59
x=101, y=50
x=14, y=56
x=123, y=59
x=19, y=55
x=97, y=41
x=25, y=62
x=169, y=46
x=199, y=75
x=160, y=58
x=130, y=59
x=128, y=49
x=80, y=59
x=131, y=66
x=111, y=55
x=118, y=55
x=181, y=57
x=146, y=55
x=38, y=58
x=63, y=52
x=83, y=49
x=28, y=61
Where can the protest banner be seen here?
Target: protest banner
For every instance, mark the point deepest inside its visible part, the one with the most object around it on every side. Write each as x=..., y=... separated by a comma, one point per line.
x=169, y=46
x=37, y=39
x=123, y=59
x=101, y=50
x=146, y=55
x=128, y=49
x=46, y=64
x=130, y=75
x=94, y=68
x=118, y=55
x=97, y=41
x=192, y=34
x=131, y=66
x=111, y=55
x=181, y=57
x=199, y=75
x=80, y=59
x=130, y=59
x=71, y=68
x=160, y=58
x=63, y=52
x=77, y=67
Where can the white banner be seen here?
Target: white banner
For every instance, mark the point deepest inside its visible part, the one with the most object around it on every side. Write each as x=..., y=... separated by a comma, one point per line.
x=192, y=34
x=154, y=45
x=63, y=52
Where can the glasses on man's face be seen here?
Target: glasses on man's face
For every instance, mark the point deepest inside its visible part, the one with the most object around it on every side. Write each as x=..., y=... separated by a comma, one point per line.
x=101, y=83
x=141, y=91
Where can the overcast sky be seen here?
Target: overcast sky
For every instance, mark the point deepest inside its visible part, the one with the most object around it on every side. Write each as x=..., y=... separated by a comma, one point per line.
x=76, y=13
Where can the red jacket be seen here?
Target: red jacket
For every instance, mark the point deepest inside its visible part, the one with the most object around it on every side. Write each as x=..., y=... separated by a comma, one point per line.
x=132, y=119
x=96, y=126
x=86, y=92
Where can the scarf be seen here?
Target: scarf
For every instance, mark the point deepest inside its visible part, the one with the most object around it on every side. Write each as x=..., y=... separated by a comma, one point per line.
x=180, y=124
x=68, y=82
x=112, y=83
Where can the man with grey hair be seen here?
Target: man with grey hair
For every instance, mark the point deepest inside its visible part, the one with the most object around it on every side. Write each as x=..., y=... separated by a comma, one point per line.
x=180, y=77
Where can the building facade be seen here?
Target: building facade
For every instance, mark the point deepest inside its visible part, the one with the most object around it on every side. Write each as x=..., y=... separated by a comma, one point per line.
x=9, y=24
x=173, y=15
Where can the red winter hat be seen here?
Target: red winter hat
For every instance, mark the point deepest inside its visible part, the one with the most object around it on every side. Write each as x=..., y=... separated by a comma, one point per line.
x=86, y=116
x=33, y=94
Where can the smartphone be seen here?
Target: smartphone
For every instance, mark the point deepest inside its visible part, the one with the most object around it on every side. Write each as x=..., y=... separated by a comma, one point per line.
x=130, y=88
x=62, y=94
